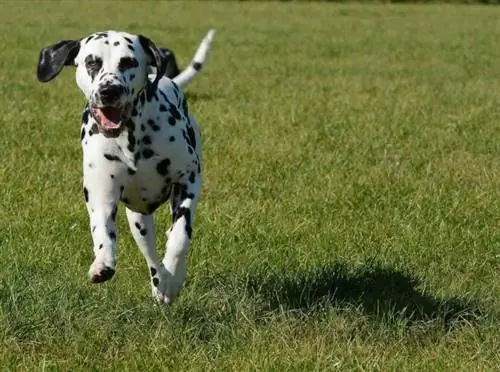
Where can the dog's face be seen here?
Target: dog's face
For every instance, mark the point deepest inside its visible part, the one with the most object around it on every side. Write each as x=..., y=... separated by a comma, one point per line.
x=111, y=70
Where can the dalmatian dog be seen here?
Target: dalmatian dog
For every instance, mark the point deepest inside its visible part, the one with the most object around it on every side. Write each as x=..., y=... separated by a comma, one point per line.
x=141, y=146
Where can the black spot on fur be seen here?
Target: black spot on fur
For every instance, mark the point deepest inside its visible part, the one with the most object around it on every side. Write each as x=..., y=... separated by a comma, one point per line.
x=176, y=88
x=175, y=113
x=142, y=98
x=112, y=235
x=116, y=43
x=82, y=135
x=101, y=35
x=171, y=139
x=191, y=136
x=153, y=271
x=85, y=115
x=147, y=153
x=156, y=281
x=130, y=124
x=131, y=141
x=186, y=213
x=130, y=171
x=162, y=166
x=106, y=42
x=127, y=63
x=197, y=66
x=153, y=125
x=171, y=120
x=146, y=140
x=129, y=40
x=111, y=157
x=164, y=96
x=134, y=112
x=112, y=176
x=143, y=232
x=105, y=274
x=192, y=177
x=114, y=212
x=163, y=108
x=190, y=150
x=86, y=194
x=185, y=107
x=131, y=47
x=93, y=228
x=88, y=39
x=94, y=129
x=101, y=246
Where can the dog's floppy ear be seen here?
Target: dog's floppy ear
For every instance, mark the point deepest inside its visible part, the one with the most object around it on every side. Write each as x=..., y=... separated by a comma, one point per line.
x=172, y=69
x=53, y=58
x=156, y=58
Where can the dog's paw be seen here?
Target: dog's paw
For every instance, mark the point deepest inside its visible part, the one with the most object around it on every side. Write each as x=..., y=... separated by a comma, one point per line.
x=165, y=286
x=99, y=272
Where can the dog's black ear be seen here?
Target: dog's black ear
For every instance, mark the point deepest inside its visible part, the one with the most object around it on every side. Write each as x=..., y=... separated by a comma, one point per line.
x=156, y=57
x=172, y=69
x=53, y=58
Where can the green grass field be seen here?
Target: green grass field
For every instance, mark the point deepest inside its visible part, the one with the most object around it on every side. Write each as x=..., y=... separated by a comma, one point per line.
x=350, y=213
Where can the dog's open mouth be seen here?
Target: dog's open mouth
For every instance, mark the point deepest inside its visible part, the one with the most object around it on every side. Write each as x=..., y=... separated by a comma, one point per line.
x=110, y=119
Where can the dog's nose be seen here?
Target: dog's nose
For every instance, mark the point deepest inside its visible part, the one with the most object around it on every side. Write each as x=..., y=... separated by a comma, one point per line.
x=110, y=93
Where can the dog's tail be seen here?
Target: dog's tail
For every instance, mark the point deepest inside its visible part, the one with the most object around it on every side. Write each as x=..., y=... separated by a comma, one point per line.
x=197, y=63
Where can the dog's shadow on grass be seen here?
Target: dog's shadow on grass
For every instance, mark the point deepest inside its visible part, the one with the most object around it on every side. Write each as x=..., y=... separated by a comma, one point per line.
x=382, y=293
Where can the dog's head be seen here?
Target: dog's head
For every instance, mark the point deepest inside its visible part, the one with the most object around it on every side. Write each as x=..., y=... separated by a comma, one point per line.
x=111, y=70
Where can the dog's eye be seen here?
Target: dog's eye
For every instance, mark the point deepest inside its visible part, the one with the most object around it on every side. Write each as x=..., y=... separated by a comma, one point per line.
x=93, y=63
x=127, y=62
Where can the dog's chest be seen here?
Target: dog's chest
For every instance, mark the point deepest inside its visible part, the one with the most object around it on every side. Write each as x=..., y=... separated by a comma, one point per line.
x=145, y=163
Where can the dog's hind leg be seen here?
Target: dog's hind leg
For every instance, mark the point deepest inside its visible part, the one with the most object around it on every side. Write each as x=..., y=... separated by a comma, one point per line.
x=143, y=231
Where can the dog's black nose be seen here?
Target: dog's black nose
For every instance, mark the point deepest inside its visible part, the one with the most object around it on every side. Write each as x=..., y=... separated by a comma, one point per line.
x=110, y=93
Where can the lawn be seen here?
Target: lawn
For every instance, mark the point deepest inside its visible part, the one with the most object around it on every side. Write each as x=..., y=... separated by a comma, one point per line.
x=349, y=218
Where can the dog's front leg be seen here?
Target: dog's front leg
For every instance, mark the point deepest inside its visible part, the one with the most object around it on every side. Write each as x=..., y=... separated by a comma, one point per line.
x=102, y=206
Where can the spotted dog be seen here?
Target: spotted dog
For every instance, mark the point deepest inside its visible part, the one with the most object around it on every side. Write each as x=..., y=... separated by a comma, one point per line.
x=141, y=146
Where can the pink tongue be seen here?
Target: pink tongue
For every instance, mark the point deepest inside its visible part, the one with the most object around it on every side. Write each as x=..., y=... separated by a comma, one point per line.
x=109, y=117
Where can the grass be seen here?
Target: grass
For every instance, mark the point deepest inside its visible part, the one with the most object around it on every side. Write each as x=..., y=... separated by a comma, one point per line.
x=349, y=217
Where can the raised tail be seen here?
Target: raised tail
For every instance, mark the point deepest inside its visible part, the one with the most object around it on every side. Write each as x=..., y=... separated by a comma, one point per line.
x=197, y=63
